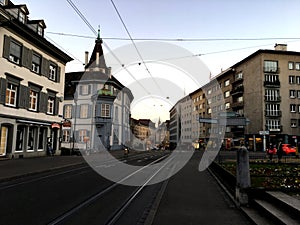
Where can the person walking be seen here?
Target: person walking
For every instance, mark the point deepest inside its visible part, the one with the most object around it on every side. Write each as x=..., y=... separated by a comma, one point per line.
x=279, y=151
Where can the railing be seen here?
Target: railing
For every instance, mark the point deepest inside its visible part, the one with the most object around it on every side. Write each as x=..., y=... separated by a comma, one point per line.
x=272, y=99
x=237, y=90
x=272, y=83
x=273, y=113
x=271, y=69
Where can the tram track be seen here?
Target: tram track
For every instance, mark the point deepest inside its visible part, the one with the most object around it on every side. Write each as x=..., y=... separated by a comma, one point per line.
x=93, y=204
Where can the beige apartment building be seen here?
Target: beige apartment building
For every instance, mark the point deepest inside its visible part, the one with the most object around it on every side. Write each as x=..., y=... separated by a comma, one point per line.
x=31, y=85
x=265, y=88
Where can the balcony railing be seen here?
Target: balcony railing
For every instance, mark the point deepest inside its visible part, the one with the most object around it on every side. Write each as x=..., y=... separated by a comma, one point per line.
x=271, y=69
x=273, y=113
x=274, y=128
x=237, y=104
x=272, y=83
x=237, y=90
x=272, y=99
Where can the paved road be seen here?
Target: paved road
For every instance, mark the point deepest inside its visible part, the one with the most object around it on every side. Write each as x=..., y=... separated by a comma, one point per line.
x=195, y=198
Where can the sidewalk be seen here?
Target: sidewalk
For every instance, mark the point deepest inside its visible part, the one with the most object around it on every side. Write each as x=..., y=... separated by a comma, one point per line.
x=16, y=168
x=194, y=198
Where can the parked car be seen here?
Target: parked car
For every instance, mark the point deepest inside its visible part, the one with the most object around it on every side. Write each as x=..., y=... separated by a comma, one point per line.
x=288, y=149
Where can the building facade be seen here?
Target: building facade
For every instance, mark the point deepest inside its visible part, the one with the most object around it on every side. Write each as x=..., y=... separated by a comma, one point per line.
x=31, y=85
x=96, y=107
x=264, y=87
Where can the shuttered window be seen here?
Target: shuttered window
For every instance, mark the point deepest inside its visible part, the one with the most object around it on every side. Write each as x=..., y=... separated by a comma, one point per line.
x=36, y=63
x=15, y=52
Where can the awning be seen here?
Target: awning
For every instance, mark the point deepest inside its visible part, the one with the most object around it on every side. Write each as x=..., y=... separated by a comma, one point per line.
x=34, y=122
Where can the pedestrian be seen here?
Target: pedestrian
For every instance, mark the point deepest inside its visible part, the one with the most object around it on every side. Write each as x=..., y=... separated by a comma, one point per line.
x=271, y=151
x=279, y=151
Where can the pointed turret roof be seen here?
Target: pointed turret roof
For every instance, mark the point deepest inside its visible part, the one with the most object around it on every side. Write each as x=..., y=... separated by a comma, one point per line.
x=97, y=48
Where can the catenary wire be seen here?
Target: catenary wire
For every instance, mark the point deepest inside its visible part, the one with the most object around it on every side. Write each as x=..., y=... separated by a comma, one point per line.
x=95, y=32
x=136, y=48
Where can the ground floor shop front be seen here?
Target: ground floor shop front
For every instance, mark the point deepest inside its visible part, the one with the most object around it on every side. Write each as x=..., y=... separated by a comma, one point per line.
x=28, y=138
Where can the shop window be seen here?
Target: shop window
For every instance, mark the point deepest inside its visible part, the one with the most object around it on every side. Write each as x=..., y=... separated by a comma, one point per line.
x=42, y=138
x=20, y=138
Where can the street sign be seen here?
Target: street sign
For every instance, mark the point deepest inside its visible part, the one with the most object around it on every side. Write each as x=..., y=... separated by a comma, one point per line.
x=237, y=121
x=264, y=132
x=207, y=120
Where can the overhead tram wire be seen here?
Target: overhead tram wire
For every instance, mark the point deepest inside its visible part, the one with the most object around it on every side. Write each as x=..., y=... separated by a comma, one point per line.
x=178, y=39
x=137, y=50
x=187, y=56
x=95, y=32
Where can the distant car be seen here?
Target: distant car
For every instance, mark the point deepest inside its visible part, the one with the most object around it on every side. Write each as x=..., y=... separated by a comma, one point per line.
x=288, y=149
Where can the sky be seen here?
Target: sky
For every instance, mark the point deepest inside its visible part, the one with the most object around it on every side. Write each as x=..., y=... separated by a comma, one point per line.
x=266, y=22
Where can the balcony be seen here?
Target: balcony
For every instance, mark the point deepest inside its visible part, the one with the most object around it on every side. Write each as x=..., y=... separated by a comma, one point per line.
x=274, y=128
x=237, y=105
x=237, y=90
x=272, y=83
x=272, y=99
x=273, y=113
x=271, y=69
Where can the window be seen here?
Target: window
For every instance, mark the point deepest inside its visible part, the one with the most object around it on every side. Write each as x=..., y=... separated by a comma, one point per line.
x=273, y=125
x=105, y=110
x=22, y=17
x=227, y=105
x=20, y=137
x=36, y=63
x=42, y=133
x=270, y=66
x=292, y=79
x=84, y=89
x=11, y=95
x=272, y=109
x=15, y=52
x=50, y=108
x=209, y=92
x=82, y=135
x=292, y=93
x=291, y=65
x=297, y=65
x=299, y=109
x=293, y=123
x=240, y=99
x=66, y=136
x=33, y=100
x=2, y=2
x=40, y=30
x=272, y=95
x=31, y=138
x=52, y=72
x=239, y=76
x=227, y=94
x=271, y=78
x=293, y=108
x=298, y=94
x=84, y=109
x=209, y=111
x=226, y=83
x=68, y=111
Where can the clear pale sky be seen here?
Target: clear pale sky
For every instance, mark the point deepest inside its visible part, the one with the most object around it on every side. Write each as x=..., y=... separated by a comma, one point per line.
x=173, y=19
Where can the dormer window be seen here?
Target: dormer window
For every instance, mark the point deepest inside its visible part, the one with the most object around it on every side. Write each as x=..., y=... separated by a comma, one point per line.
x=22, y=17
x=40, y=30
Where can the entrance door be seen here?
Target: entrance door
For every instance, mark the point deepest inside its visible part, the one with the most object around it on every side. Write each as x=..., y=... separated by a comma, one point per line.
x=3, y=140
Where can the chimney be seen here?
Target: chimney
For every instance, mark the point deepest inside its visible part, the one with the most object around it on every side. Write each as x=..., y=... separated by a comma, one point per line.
x=86, y=57
x=280, y=47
